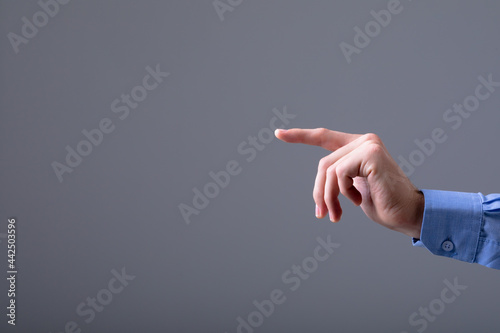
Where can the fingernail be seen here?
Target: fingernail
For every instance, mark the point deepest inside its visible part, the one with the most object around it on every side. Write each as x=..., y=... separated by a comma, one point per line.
x=279, y=130
x=331, y=216
x=317, y=212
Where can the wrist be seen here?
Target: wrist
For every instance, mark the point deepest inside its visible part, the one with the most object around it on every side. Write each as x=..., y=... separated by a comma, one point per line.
x=417, y=215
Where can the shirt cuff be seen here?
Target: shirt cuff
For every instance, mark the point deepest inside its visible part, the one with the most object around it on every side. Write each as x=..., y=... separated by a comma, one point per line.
x=452, y=224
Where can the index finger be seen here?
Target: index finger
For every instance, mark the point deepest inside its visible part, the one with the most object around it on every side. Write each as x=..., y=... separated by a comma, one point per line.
x=321, y=137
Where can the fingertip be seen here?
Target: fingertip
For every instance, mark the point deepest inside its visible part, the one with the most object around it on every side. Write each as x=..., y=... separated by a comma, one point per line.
x=278, y=131
x=336, y=214
x=357, y=200
x=321, y=211
x=334, y=219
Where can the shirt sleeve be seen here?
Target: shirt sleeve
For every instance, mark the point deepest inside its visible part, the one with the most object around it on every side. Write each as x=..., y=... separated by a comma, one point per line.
x=462, y=226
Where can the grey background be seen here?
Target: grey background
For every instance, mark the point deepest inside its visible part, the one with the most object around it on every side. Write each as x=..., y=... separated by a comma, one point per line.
x=119, y=208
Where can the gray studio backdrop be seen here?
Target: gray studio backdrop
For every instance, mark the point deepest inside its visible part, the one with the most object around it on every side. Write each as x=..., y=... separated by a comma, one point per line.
x=149, y=196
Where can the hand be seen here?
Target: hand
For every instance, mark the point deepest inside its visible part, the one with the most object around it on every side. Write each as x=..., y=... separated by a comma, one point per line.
x=361, y=168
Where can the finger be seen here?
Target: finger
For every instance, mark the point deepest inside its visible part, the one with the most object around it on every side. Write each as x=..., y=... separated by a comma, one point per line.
x=332, y=195
x=324, y=164
x=322, y=137
x=353, y=165
x=346, y=172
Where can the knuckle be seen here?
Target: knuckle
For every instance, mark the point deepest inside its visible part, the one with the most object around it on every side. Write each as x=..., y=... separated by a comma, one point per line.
x=374, y=149
x=331, y=171
x=323, y=164
x=340, y=170
x=321, y=134
x=371, y=137
x=321, y=131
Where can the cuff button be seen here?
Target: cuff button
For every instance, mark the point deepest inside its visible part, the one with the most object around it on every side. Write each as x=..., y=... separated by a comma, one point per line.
x=447, y=246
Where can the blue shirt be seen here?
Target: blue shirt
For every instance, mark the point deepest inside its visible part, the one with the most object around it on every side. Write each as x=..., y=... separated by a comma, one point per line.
x=462, y=226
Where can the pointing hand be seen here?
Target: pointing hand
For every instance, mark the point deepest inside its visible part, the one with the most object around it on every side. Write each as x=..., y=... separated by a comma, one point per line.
x=361, y=168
